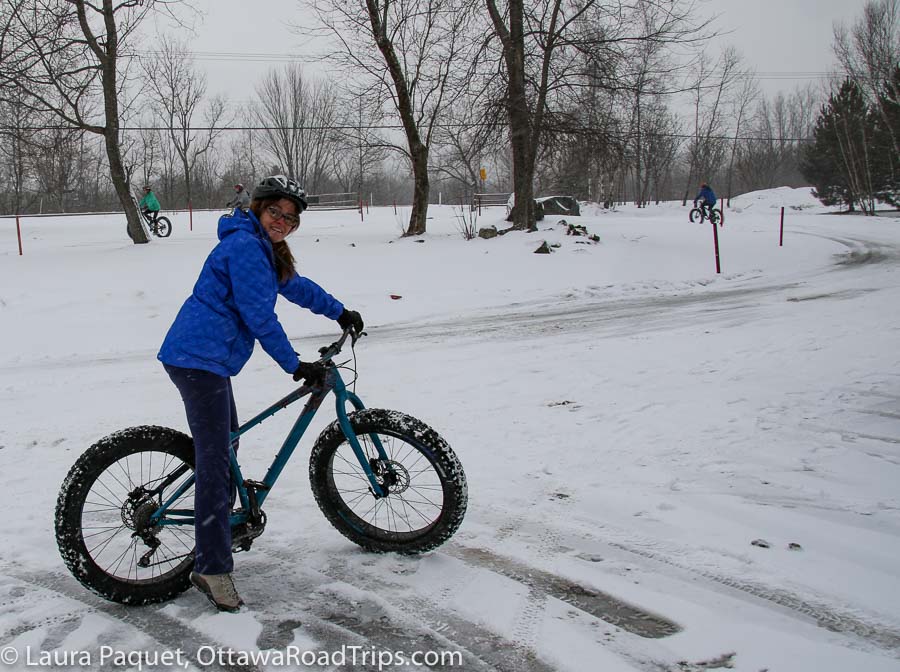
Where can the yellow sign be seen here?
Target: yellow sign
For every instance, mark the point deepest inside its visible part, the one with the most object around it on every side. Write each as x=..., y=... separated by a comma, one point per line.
x=483, y=174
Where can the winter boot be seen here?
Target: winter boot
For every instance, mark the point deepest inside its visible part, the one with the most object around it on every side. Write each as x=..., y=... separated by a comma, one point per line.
x=219, y=589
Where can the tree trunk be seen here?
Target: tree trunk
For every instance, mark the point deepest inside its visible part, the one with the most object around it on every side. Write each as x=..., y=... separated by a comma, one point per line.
x=523, y=214
x=520, y=119
x=417, y=149
x=188, y=184
x=109, y=79
x=117, y=173
x=420, y=192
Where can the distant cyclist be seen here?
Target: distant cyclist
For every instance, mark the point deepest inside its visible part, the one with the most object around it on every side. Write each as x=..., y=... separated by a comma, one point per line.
x=149, y=204
x=241, y=198
x=705, y=199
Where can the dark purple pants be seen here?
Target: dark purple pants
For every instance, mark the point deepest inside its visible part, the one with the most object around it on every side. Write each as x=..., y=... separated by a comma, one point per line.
x=212, y=416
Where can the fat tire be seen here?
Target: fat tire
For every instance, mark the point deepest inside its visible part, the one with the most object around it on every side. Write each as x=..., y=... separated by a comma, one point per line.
x=694, y=214
x=73, y=493
x=427, y=442
x=163, y=227
x=715, y=216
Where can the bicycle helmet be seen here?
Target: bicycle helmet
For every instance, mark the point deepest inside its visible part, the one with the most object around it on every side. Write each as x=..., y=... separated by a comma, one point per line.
x=239, y=186
x=280, y=186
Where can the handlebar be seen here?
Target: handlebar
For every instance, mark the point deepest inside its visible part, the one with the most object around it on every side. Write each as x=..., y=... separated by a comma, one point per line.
x=333, y=350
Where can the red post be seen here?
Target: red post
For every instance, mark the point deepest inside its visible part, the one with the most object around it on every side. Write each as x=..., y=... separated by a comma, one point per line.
x=716, y=242
x=781, y=235
x=190, y=216
x=19, y=234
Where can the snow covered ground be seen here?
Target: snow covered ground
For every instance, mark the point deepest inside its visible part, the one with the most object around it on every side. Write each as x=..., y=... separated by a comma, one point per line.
x=629, y=422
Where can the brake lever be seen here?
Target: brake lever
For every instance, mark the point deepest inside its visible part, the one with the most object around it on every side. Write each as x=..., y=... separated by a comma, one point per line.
x=354, y=337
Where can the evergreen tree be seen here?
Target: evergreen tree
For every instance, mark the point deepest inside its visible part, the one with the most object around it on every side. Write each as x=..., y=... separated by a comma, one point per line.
x=840, y=162
x=887, y=129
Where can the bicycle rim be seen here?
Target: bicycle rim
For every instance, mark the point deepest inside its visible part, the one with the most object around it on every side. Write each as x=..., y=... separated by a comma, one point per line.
x=115, y=511
x=412, y=476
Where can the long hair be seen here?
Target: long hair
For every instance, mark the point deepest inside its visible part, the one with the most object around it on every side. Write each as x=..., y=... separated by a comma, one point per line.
x=285, y=264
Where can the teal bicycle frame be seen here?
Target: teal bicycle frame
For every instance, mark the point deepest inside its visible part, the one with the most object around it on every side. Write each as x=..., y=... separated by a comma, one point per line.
x=259, y=491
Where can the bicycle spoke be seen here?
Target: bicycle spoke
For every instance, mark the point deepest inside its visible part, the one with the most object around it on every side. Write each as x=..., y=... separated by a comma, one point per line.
x=110, y=542
x=414, y=501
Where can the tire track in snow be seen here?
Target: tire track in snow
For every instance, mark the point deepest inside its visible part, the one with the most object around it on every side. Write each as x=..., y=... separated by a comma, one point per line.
x=170, y=633
x=828, y=617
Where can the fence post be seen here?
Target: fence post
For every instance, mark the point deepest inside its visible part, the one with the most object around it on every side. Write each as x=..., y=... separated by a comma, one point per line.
x=781, y=234
x=19, y=233
x=716, y=243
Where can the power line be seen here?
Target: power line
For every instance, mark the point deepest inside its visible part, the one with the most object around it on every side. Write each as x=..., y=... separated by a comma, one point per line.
x=271, y=57
x=399, y=127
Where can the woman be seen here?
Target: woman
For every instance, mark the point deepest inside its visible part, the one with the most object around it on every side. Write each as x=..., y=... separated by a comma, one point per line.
x=212, y=337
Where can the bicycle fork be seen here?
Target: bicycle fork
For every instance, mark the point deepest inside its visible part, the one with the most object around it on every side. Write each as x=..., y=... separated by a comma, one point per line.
x=342, y=396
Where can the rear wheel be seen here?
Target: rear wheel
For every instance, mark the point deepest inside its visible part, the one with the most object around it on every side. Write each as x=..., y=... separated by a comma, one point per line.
x=427, y=491
x=163, y=227
x=103, y=526
x=715, y=216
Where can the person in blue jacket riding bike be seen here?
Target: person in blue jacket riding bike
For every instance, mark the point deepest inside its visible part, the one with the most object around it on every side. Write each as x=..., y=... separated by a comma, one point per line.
x=212, y=337
x=705, y=198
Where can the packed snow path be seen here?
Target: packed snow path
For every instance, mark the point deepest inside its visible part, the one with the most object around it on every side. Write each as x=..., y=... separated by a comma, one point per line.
x=624, y=442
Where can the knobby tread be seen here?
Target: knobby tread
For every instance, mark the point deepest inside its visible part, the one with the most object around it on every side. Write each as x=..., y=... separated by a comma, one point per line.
x=427, y=442
x=75, y=488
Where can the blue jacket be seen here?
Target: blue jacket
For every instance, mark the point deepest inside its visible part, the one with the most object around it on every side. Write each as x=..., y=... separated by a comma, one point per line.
x=707, y=195
x=233, y=304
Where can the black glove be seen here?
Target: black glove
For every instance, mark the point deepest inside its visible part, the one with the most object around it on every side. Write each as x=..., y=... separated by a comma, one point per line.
x=313, y=374
x=350, y=318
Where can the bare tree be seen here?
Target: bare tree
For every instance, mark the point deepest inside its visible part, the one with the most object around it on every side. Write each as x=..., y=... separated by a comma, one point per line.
x=465, y=139
x=771, y=153
x=14, y=150
x=661, y=141
x=868, y=53
x=179, y=93
x=543, y=46
x=55, y=172
x=744, y=98
x=712, y=84
x=296, y=114
x=403, y=56
x=242, y=154
x=356, y=150
x=66, y=57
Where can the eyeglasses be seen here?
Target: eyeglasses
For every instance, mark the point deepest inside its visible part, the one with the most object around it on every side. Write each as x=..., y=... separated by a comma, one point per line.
x=276, y=213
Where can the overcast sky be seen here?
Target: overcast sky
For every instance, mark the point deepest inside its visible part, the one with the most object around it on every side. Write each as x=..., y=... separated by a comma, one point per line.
x=788, y=42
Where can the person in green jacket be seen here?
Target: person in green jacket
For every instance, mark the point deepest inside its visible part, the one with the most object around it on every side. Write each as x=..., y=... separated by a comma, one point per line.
x=149, y=205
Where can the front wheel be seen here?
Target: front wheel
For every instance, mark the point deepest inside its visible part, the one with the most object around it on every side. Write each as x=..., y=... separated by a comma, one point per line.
x=103, y=516
x=426, y=485
x=163, y=227
x=696, y=215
